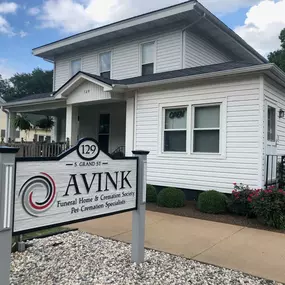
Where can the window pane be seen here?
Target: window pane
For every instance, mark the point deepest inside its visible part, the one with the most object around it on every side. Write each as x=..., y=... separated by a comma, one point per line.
x=17, y=134
x=271, y=129
x=106, y=75
x=75, y=66
x=175, y=141
x=148, y=53
x=207, y=141
x=207, y=117
x=2, y=133
x=105, y=61
x=175, y=118
x=147, y=69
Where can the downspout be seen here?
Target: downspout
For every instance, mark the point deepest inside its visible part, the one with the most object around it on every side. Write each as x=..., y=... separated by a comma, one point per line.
x=184, y=37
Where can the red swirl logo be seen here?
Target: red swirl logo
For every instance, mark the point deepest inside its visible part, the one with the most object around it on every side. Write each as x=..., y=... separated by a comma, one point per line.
x=38, y=194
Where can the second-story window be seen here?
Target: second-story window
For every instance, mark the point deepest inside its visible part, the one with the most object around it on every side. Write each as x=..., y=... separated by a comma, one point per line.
x=147, y=58
x=75, y=66
x=105, y=65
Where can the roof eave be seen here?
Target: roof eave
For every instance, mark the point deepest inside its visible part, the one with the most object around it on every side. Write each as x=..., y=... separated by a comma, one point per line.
x=217, y=74
x=212, y=18
x=124, y=24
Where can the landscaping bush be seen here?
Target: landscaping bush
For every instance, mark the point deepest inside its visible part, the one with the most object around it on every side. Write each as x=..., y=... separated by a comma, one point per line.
x=240, y=201
x=151, y=195
x=171, y=198
x=269, y=207
x=212, y=202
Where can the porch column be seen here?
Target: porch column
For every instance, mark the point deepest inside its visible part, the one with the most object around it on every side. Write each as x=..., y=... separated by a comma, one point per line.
x=72, y=124
x=10, y=127
x=130, y=125
x=54, y=130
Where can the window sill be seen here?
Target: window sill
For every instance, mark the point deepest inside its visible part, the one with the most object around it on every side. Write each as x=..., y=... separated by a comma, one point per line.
x=206, y=156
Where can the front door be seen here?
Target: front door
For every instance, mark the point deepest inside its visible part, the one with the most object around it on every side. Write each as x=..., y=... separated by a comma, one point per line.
x=104, y=132
x=271, y=142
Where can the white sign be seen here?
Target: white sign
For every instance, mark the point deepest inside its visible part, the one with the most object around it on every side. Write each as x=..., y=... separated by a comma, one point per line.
x=81, y=184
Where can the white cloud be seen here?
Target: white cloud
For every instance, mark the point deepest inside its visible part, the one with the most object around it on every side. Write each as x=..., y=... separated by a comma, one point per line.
x=23, y=34
x=263, y=25
x=227, y=6
x=8, y=7
x=34, y=11
x=79, y=15
x=5, y=70
x=5, y=27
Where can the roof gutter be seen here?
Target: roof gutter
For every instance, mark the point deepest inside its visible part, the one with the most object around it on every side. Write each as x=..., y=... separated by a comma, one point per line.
x=224, y=73
x=29, y=102
x=214, y=20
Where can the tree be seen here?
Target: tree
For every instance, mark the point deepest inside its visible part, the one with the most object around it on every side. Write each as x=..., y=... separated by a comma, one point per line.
x=4, y=87
x=278, y=56
x=24, y=84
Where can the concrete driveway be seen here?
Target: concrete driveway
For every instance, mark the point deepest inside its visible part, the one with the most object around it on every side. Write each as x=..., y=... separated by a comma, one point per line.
x=257, y=252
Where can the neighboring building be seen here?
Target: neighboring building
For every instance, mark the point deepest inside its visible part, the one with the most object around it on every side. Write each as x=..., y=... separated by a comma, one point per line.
x=37, y=135
x=176, y=82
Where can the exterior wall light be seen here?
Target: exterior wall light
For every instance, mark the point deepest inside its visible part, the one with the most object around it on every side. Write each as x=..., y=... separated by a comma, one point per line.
x=281, y=113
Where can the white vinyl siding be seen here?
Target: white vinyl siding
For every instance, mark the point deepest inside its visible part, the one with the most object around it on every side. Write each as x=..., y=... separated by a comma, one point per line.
x=126, y=56
x=240, y=162
x=199, y=51
x=276, y=95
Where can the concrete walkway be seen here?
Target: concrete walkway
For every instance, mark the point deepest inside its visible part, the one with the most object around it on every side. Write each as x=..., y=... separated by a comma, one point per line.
x=257, y=252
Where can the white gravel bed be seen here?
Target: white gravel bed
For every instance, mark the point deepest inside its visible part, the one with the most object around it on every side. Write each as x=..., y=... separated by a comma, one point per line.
x=80, y=258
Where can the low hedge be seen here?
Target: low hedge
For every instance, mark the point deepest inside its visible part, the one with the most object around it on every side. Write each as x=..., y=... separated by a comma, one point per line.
x=171, y=198
x=151, y=195
x=212, y=202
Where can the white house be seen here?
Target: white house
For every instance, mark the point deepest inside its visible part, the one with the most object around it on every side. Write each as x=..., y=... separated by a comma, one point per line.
x=176, y=82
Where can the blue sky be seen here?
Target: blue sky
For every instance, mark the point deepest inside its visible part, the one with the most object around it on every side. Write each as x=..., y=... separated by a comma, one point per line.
x=26, y=24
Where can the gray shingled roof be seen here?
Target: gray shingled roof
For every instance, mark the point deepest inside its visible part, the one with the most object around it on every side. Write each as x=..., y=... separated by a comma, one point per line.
x=153, y=77
x=175, y=73
x=33, y=97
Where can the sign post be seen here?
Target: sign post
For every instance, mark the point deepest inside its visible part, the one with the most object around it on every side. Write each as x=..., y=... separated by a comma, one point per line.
x=138, y=226
x=81, y=184
x=7, y=163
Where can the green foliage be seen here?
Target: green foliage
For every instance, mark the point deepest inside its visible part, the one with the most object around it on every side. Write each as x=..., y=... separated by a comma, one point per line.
x=23, y=84
x=269, y=207
x=212, y=202
x=45, y=123
x=278, y=57
x=151, y=195
x=240, y=201
x=22, y=123
x=171, y=198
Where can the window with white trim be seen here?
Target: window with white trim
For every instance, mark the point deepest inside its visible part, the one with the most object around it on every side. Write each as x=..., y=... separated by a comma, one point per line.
x=75, y=66
x=105, y=64
x=206, y=129
x=147, y=58
x=175, y=129
x=271, y=121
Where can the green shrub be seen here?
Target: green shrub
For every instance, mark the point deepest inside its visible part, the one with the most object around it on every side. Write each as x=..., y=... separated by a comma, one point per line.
x=171, y=198
x=269, y=207
x=151, y=195
x=240, y=201
x=212, y=202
